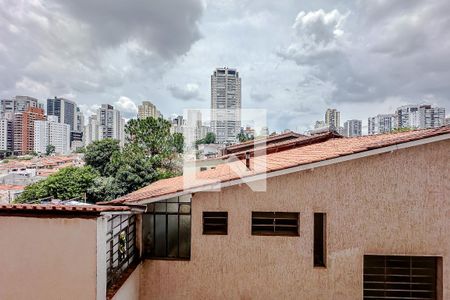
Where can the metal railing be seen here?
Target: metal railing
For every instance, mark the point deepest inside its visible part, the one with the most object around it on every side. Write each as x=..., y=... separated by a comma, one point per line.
x=121, y=251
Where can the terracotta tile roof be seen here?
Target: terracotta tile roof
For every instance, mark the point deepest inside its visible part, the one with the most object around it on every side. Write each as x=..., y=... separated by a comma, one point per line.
x=264, y=141
x=262, y=149
x=304, y=154
x=9, y=187
x=58, y=209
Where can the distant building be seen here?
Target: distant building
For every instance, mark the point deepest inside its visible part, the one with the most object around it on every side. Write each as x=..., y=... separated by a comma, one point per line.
x=353, y=128
x=420, y=116
x=148, y=109
x=16, y=105
x=382, y=124
x=333, y=118
x=447, y=121
x=106, y=123
x=24, y=129
x=6, y=135
x=264, y=131
x=91, y=130
x=51, y=132
x=177, y=124
x=64, y=109
x=225, y=104
x=319, y=124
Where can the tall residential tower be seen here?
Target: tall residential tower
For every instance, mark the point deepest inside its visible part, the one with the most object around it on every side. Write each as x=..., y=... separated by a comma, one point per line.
x=225, y=104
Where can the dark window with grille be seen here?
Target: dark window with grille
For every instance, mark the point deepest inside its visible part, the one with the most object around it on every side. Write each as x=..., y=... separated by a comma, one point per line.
x=275, y=223
x=121, y=251
x=166, y=229
x=320, y=245
x=400, y=277
x=215, y=222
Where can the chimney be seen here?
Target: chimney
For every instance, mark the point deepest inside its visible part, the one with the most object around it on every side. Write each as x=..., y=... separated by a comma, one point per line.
x=247, y=160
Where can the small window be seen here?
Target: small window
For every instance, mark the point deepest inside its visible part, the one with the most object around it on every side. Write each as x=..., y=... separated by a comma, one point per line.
x=275, y=223
x=215, y=222
x=320, y=240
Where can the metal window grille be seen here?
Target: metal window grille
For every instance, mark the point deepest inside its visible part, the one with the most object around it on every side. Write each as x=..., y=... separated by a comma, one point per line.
x=275, y=223
x=400, y=277
x=121, y=245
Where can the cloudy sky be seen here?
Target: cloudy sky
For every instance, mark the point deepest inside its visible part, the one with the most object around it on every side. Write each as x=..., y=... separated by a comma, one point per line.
x=295, y=57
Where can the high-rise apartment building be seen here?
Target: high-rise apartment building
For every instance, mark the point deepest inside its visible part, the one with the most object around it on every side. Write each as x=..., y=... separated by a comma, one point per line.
x=64, y=109
x=225, y=104
x=382, y=124
x=91, y=130
x=333, y=118
x=107, y=123
x=353, y=128
x=6, y=135
x=148, y=109
x=51, y=132
x=24, y=129
x=18, y=104
x=420, y=116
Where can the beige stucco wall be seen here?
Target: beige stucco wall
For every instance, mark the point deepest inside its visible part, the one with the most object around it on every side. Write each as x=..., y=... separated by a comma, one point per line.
x=394, y=203
x=130, y=289
x=47, y=258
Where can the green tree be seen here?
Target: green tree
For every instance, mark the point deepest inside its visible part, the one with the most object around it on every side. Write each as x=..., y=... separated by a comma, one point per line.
x=134, y=169
x=67, y=183
x=104, y=189
x=49, y=150
x=243, y=137
x=153, y=136
x=210, y=138
x=98, y=154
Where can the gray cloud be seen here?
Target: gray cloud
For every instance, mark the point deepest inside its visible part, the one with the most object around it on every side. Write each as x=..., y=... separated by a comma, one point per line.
x=362, y=57
x=187, y=92
x=383, y=49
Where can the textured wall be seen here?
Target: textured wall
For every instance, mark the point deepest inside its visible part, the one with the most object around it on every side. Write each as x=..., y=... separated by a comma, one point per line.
x=130, y=288
x=43, y=258
x=394, y=203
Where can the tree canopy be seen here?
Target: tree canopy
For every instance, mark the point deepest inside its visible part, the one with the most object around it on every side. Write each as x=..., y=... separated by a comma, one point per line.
x=210, y=138
x=50, y=149
x=67, y=183
x=98, y=154
x=152, y=153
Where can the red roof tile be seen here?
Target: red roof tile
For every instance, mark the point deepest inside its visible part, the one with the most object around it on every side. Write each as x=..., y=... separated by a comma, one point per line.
x=301, y=155
x=58, y=209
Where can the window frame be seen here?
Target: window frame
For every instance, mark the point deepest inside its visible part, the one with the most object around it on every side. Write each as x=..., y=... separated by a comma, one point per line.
x=152, y=209
x=207, y=232
x=321, y=263
x=274, y=223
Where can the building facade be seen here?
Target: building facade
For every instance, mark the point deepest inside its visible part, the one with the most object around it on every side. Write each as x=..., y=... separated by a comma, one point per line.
x=17, y=104
x=51, y=132
x=23, y=127
x=382, y=124
x=353, y=128
x=420, y=116
x=338, y=228
x=6, y=135
x=225, y=104
x=148, y=109
x=64, y=109
x=333, y=118
x=106, y=123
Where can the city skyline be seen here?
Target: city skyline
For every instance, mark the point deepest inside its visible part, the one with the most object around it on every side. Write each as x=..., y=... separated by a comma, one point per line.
x=98, y=67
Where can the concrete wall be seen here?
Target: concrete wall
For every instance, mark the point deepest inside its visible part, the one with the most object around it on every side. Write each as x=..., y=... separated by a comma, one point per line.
x=394, y=203
x=47, y=258
x=130, y=289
